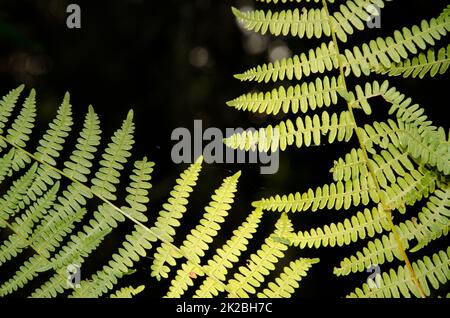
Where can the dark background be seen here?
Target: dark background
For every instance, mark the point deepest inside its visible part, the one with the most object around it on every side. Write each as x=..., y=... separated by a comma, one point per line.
x=145, y=55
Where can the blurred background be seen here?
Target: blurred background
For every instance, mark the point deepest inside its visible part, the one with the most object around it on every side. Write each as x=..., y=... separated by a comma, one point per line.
x=172, y=62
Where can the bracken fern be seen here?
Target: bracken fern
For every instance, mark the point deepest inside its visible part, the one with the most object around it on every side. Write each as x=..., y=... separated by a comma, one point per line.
x=400, y=165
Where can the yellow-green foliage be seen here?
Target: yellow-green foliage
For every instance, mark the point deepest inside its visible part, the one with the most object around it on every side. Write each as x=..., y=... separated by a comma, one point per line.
x=401, y=165
x=64, y=211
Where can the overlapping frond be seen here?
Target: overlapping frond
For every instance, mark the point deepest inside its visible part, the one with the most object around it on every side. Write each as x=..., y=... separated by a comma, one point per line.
x=133, y=248
x=431, y=223
x=105, y=219
x=431, y=271
x=401, y=163
x=284, y=285
x=431, y=62
x=260, y=264
x=219, y=265
x=381, y=52
x=197, y=241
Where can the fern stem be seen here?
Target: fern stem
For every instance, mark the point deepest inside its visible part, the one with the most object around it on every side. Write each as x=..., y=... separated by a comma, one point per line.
x=386, y=209
x=138, y=223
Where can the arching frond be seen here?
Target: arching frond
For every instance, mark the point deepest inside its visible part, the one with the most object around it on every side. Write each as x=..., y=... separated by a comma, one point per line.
x=431, y=62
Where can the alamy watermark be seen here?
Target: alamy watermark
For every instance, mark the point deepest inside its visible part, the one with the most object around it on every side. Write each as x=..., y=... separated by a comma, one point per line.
x=190, y=146
x=373, y=279
x=73, y=20
x=374, y=19
x=73, y=276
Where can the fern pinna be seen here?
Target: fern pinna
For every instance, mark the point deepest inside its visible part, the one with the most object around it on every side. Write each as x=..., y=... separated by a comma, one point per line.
x=54, y=216
x=401, y=164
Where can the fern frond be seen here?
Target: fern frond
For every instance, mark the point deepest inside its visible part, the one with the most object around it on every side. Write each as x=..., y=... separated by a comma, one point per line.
x=375, y=54
x=430, y=148
x=133, y=248
x=138, y=190
x=431, y=63
x=409, y=189
x=228, y=255
x=51, y=143
x=386, y=165
x=434, y=271
x=410, y=115
x=389, y=163
x=168, y=219
x=309, y=23
x=24, y=274
x=48, y=150
x=261, y=263
x=376, y=252
x=23, y=225
x=381, y=134
x=334, y=196
x=299, y=97
x=198, y=241
x=19, y=132
x=69, y=206
x=80, y=163
x=352, y=165
x=433, y=219
x=383, y=52
x=113, y=159
x=358, y=227
x=21, y=128
x=7, y=105
x=105, y=219
x=369, y=91
x=12, y=201
x=306, y=132
x=323, y=58
x=284, y=285
x=174, y=208
x=433, y=222
x=5, y=163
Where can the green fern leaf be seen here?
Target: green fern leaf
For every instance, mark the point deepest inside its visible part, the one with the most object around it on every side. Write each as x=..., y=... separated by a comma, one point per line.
x=284, y=285
x=228, y=255
x=261, y=263
x=434, y=270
